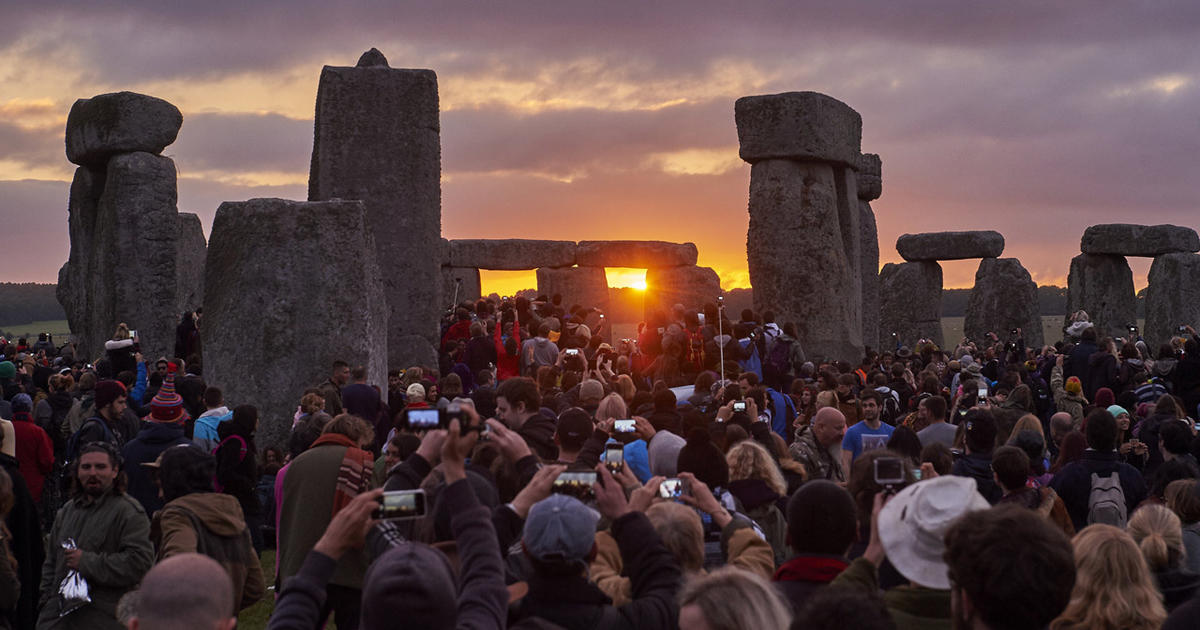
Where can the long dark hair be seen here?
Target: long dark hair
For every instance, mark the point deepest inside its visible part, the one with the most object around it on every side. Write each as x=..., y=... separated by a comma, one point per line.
x=243, y=423
x=114, y=459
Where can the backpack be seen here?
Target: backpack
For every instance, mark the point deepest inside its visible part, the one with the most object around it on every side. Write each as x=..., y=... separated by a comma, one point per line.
x=73, y=445
x=241, y=456
x=1106, y=501
x=779, y=358
x=890, y=411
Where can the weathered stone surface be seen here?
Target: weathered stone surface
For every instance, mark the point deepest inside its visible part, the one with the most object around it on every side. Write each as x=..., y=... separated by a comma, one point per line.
x=1123, y=239
x=869, y=271
x=797, y=256
x=950, y=245
x=1103, y=286
x=806, y=126
x=512, y=254
x=75, y=290
x=189, y=264
x=586, y=286
x=691, y=286
x=119, y=122
x=1004, y=297
x=274, y=321
x=372, y=58
x=870, y=177
x=1172, y=296
x=910, y=304
x=637, y=254
x=377, y=139
x=465, y=280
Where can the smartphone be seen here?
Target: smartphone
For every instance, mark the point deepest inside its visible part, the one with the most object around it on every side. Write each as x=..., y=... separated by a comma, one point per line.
x=400, y=505
x=916, y=473
x=133, y=334
x=671, y=488
x=572, y=352
x=762, y=417
x=889, y=471
x=624, y=426
x=614, y=458
x=983, y=393
x=739, y=405
x=424, y=419
x=580, y=485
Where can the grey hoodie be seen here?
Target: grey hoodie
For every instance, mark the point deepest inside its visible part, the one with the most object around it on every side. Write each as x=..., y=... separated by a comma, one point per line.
x=537, y=352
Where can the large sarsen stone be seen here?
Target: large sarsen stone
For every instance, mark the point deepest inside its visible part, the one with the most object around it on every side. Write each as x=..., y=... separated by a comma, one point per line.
x=1123, y=239
x=278, y=313
x=637, y=254
x=512, y=254
x=189, y=264
x=1172, y=296
x=910, y=304
x=586, y=286
x=1102, y=285
x=805, y=126
x=119, y=122
x=950, y=245
x=1004, y=298
x=691, y=286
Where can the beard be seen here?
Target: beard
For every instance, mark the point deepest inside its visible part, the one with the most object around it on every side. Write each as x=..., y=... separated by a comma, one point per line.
x=97, y=489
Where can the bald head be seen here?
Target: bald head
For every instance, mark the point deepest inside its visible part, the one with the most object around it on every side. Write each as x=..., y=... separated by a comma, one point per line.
x=829, y=426
x=187, y=591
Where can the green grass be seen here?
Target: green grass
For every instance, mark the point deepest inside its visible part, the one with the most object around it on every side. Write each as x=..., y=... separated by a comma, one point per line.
x=255, y=617
x=30, y=330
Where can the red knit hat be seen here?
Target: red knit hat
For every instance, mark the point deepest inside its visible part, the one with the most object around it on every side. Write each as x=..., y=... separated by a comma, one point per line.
x=167, y=406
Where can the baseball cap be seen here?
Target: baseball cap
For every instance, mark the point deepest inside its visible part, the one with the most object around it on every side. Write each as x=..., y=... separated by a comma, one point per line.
x=560, y=529
x=912, y=526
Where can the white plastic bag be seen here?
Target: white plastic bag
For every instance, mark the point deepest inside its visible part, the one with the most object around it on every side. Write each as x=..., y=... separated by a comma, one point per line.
x=74, y=589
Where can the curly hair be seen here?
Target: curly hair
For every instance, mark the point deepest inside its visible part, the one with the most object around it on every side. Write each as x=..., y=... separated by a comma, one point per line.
x=750, y=460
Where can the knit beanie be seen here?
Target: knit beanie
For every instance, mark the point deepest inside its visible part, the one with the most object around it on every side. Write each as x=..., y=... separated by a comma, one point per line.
x=167, y=406
x=107, y=391
x=821, y=519
x=1104, y=397
x=415, y=392
x=663, y=452
x=703, y=459
x=1074, y=386
x=22, y=403
x=7, y=369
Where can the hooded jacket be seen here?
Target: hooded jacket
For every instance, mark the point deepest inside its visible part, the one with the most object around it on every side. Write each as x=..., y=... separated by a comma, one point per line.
x=204, y=433
x=35, y=451
x=1067, y=401
x=538, y=433
x=537, y=352
x=1102, y=372
x=1074, y=483
x=222, y=535
x=151, y=441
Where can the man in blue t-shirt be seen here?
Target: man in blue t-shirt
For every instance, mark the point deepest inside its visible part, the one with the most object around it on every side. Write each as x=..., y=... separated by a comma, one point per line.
x=868, y=435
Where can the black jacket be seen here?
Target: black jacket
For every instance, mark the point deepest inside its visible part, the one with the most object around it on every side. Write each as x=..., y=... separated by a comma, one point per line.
x=27, y=547
x=538, y=432
x=577, y=604
x=1102, y=372
x=1074, y=483
x=151, y=441
x=1076, y=363
x=979, y=468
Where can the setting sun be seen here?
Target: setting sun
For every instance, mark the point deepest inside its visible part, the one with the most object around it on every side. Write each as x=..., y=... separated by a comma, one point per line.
x=626, y=277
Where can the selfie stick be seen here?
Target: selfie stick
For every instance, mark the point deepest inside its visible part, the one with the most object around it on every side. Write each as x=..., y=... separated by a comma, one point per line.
x=721, y=333
x=457, y=285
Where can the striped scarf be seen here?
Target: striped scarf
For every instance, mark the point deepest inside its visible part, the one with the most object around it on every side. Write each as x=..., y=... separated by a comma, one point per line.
x=354, y=475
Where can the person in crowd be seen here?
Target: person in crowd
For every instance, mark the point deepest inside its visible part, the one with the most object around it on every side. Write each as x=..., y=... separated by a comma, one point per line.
x=756, y=481
x=120, y=350
x=319, y=484
x=10, y=579
x=1175, y=442
x=363, y=400
x=34, y=449
x=197, y=520
x=331, y=389
x=867, y=435
x=932, y=411
x=1159, y=535
x=111, y=543
x=1183, y=497
x=237, y=466
x=204, y=431
x=818, y=445
x=1011, y=470
x=979, y=431
x=188, y=590
x=25, y=535
x=162, y=429
x=924, y=511
x=539, y=351
x=820, y=530
x=1070, y=450
x=1113, y=586
x=1008, y=568
x=731, y=599
x=1068, y=396
x=837, y=608
x=518, y=406
x=108, y=407
x=1075, y=483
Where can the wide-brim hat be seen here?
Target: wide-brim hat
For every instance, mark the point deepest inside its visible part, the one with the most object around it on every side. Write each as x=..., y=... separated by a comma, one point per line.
x=975, y=368
x=912, y=526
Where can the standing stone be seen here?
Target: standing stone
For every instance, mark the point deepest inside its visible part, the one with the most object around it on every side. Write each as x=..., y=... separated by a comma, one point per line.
x=121, y=122
x=910, y=304
x=1102, y=285
x=1123, y=239
x=275, y=321
x=466, y=279
x=1172, y=297
x=691, y=286
x=189, y=264
x=803, y=245
x=870, y=186
x=636, y=254
x=1004, y=297
x=586, y=286
x=123, y=249
x=377, y=139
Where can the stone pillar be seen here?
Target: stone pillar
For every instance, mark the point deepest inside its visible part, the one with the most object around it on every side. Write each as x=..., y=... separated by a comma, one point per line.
x=910, y=304
x=802, y=247
x=1172, y=297
x=586, y=286
x=691, y=286
x=123, y=221
x=377, y=139
x=870, y=187
x=467, y=281
x=1102, y=285
x=274, y=321
x=1004, y=297
x=189, y=264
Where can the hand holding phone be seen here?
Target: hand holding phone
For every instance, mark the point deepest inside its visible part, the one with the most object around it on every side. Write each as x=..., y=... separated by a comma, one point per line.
x=625, y=426
x=614, y=458
x=401, y=505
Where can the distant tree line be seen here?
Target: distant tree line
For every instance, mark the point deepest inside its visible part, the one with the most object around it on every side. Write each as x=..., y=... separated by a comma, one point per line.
x=22, y=303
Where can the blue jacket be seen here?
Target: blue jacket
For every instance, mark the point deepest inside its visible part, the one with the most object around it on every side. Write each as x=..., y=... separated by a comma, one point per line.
x=1074, y=483
x=204, y=433
x=753, y=363
x=783, y=411
x=151, y=441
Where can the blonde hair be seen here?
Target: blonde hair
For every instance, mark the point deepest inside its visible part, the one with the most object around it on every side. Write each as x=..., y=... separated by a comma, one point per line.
x=611, y=407
x=681, y=531
x=122, y=332
x=1159, y=534
x=826, y=398
x=626, y=388
x=731, y=598
x=1113, y=586
x=749, y=460
x=1027, y=422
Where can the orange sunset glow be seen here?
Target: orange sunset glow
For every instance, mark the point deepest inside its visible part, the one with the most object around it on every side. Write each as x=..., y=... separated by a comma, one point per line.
x=576, y=121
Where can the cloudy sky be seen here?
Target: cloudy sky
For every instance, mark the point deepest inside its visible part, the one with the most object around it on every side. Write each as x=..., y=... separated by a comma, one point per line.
x=573, y=120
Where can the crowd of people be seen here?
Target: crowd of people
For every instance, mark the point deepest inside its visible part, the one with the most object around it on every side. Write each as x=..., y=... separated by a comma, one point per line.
x=702, y=474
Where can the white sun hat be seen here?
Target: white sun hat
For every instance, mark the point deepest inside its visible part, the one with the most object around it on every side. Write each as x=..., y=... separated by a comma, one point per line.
x=913, y=525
